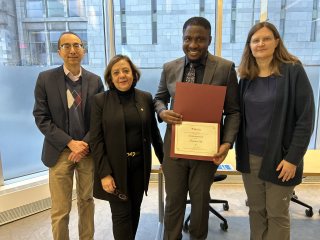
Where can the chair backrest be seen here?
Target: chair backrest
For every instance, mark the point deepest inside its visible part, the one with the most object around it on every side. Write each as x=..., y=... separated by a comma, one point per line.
x=218, y=178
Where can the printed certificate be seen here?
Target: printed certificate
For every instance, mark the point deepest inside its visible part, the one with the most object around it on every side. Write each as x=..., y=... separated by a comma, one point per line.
x=196, y=138
x=201, y=107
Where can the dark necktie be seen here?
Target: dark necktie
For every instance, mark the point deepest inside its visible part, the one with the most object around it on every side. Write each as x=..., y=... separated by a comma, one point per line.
x=192, y=73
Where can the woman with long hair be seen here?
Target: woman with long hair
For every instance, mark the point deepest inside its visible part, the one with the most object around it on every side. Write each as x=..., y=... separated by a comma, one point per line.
x=278, y=112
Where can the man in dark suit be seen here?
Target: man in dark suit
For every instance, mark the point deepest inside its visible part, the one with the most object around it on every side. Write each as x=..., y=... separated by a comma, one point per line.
x=62, y=110
x=195, y=176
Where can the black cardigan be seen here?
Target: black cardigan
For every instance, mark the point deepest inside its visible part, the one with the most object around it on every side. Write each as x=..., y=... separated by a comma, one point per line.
x=291, y=126
x=108, y=140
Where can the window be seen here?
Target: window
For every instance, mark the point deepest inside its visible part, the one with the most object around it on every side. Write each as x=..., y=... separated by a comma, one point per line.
x=34, y=8
x=282, y=18
x=233, y=21
x=314, y=21
x=296, y=33
x=77, y=8
x=202, y=13
x=54, y=37
x=55, y=8
x=135, y=30
x=255, y=11
x=28, y=47
x=154, y=21
x=123, y=22
x=37, y=44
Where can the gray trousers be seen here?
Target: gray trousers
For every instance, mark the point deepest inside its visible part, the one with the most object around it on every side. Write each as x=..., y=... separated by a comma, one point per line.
x=181, y=176
x=268, y=205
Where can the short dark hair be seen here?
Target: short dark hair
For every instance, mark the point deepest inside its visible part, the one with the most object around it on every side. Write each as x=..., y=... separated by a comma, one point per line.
x=107, y=73
x=65, y=33
x=198, y=21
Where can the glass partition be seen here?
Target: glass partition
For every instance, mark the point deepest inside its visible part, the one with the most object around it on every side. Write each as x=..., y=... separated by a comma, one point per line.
x=54, y=37
x=28, y=47
x=34, y=8
x=55, y=8
x=238, y=18
x=151, y=34
x=77, y=8
x=148, y=31
x=37, y=46
x=296, y=22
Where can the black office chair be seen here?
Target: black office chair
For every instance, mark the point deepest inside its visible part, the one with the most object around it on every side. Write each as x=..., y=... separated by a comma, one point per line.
x=309, y=211
x=224, y=225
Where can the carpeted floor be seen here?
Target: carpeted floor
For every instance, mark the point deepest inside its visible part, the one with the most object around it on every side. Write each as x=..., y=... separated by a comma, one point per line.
x=303, y=228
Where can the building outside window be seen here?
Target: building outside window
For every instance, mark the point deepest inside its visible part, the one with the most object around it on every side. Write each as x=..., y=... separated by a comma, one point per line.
x=314, y=22
x=233, y=21
x=154, y=21
x=282, y=18
x=77, y=8
x=55, y=8
x=37, y=47
x=34, y=8
x=28, y=46
x=123, y=22
x=134, y=26
x=202, y=8
x=54, y=37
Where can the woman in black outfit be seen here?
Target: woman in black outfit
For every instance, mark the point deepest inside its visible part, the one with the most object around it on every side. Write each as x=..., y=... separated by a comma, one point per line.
x=123, y=126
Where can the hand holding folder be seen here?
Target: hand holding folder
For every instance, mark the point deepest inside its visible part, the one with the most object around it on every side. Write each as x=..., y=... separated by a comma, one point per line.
x=198, y=104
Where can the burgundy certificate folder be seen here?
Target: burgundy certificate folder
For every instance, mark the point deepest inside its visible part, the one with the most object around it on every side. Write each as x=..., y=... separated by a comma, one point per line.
x=198, y=103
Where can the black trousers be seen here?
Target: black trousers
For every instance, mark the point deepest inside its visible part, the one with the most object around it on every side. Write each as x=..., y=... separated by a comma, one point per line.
x=126, y=214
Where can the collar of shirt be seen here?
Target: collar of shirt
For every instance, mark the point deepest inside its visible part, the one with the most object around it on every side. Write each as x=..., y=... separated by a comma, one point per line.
x=201, y=61
x=70, y=75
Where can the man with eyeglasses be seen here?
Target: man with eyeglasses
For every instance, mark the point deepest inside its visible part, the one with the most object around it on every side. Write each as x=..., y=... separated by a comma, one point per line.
x=62, y=112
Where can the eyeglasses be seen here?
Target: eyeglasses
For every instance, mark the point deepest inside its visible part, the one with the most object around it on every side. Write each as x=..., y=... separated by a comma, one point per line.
x=67, y=47
x=264, y=40
x=119, y=194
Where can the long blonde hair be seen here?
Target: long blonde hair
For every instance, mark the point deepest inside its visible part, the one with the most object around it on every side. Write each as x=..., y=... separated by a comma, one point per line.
x=249, y=68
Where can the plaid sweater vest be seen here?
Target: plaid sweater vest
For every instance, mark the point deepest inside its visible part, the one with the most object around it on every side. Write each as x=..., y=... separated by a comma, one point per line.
x=75, y=118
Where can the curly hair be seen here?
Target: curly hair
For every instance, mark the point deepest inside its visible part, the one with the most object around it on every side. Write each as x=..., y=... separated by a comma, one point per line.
x=107, y=73
x=249, y=68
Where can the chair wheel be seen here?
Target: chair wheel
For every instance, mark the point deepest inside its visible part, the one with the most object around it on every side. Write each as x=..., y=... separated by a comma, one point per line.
x=185, y=228
x=223, y=226
x=309, y=212
x=226, y=206
x=246, y=202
